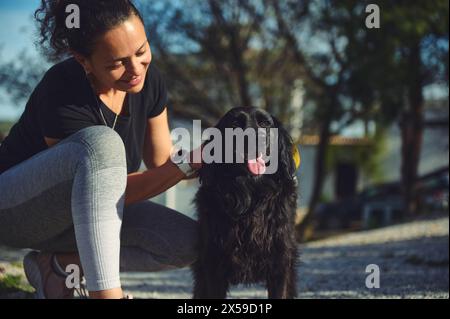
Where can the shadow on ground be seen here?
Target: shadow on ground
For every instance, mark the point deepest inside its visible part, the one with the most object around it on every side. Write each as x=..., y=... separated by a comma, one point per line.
x=415, y=268
x=408, y=269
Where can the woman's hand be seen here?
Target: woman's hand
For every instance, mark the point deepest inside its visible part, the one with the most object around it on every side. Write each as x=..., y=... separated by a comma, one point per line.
x=195, y=161
x=195, y=158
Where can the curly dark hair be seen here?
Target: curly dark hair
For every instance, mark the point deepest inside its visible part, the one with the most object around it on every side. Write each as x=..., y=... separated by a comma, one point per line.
x=96, y=18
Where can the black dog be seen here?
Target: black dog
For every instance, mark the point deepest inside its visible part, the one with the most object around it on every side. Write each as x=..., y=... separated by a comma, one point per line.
x=247, y=219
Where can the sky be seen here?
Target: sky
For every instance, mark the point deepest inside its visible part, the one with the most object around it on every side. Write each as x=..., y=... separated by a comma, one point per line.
x=16, y=23
x=16, y=34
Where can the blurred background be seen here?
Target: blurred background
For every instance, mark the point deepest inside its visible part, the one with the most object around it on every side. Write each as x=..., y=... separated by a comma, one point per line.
x=368, y=107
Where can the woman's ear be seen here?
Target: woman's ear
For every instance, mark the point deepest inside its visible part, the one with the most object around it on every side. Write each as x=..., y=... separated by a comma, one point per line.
x=84, y=62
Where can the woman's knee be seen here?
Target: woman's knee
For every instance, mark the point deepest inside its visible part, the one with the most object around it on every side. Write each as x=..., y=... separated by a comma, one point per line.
x=188, y=244
x=184, y=255
x=172, y=236
x=102, y=145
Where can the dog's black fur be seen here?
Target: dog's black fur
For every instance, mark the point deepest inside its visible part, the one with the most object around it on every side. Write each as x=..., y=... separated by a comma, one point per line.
x=247, y=222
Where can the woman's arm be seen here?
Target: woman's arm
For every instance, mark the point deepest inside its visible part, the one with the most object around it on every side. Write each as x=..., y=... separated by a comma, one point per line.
x=144, y=185
x=162, y=173
x=157, y=141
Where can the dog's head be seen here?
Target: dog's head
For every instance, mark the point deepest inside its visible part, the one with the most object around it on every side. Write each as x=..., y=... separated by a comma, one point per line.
x=258, y=144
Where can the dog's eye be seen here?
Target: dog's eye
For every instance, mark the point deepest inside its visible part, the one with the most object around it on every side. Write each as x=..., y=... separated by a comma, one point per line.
x=265, y=123
x=238, y=123
x=263, y=120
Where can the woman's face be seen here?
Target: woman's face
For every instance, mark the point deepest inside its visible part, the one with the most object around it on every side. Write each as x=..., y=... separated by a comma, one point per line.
x=121, y=57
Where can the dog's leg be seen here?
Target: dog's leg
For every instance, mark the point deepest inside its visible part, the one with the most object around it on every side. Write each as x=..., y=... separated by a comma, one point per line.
x=292, y=283
x=217, y=287
x=282, y=279
x=200, y=281
x=277, y=287
x=209, y=282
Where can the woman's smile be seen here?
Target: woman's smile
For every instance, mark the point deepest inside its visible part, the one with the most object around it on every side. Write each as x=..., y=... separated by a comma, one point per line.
x=133, y=82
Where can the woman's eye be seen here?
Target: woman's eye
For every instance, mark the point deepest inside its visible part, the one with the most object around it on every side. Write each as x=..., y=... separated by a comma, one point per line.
x=141, y=53
x=115, y=66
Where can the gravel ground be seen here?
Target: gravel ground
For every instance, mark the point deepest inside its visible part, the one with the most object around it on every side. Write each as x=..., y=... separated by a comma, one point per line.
x=413, y=260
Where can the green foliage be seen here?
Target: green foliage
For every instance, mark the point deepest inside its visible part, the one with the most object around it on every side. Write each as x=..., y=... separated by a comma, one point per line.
x=10, y=282
x=17, y=264
x=5, y=126
x=367, y=157
x=325, y=199
x=13, y=283
x=381, y=68
x=4, y=129
x=19, y=77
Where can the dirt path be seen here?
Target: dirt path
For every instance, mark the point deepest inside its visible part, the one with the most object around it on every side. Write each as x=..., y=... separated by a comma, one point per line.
x=413, y=260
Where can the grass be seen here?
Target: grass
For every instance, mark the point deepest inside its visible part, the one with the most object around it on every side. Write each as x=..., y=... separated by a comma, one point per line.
x=17, y=264
x=9, y=282
x=13, y=285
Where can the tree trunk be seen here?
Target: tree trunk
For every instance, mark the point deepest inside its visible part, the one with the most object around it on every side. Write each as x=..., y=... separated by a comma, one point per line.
x=319, y=176
x=412, y=133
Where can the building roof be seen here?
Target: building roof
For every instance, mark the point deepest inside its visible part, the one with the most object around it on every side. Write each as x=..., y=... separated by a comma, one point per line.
x=337, y=140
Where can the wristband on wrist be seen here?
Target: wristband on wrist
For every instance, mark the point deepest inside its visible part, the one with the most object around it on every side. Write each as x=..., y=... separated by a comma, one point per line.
x=181, y=160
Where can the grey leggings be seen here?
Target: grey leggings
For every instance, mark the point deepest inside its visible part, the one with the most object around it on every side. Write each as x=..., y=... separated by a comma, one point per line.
x=70, y=198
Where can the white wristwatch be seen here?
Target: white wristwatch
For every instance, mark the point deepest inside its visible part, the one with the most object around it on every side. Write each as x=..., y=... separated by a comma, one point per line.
x=183, y=163
x=186, y=169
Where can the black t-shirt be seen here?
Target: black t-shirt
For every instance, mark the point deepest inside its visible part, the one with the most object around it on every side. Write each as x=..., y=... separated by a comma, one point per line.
x=64, y=102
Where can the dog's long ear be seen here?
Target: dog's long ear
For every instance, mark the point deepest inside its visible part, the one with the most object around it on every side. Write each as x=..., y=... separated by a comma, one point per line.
x=206, y=173
x=286, y=163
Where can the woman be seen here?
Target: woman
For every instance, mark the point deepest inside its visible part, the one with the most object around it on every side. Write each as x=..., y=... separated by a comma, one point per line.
x=69, y=185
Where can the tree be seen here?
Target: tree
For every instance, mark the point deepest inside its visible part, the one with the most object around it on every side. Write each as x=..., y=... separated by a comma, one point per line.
x=19, y=77
x=408, y=52
x=319, y=58
x=369, y=74
x=216, y=55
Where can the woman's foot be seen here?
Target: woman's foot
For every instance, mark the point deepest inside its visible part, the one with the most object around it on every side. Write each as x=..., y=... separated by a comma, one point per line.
x=49, y=279
x=43, y=274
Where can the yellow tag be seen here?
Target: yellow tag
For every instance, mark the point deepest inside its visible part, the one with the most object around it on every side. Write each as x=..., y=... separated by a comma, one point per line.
x=297, y=157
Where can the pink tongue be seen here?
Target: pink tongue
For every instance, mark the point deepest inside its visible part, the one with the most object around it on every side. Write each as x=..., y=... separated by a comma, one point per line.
x=256, y=166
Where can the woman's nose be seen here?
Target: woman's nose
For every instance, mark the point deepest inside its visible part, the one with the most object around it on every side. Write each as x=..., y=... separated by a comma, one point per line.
x=133, y=67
